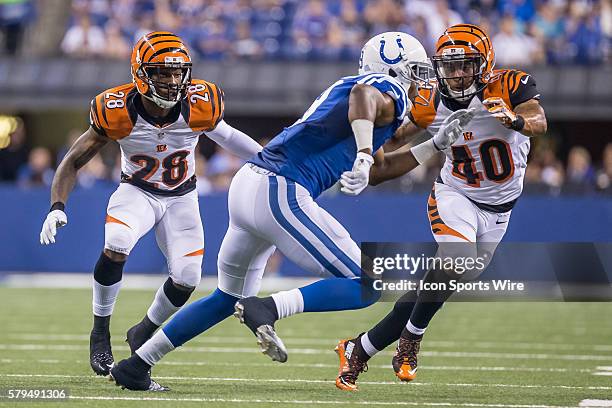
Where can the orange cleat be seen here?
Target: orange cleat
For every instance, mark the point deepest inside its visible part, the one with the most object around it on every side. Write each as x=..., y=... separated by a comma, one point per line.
x=353, y=361
x=405, y=358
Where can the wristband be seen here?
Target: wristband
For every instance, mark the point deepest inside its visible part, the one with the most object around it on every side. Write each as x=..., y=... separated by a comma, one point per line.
x=423, y=152
x=518, y=124
x=58, y=205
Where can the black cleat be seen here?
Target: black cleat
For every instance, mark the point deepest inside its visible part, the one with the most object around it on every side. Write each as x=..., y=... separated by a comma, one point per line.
x=100, y=353
x=138, y=334
x=260, y=315
x=135, y=375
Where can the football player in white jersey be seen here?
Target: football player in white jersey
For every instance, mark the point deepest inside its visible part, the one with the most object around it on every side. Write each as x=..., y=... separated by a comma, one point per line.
x=157, y=121
x=478, y=186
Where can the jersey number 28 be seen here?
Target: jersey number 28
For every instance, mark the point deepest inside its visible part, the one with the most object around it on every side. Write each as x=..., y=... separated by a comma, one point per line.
x=174, y=165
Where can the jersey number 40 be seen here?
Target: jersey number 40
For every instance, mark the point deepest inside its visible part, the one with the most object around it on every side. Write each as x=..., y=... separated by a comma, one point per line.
x=496, y=158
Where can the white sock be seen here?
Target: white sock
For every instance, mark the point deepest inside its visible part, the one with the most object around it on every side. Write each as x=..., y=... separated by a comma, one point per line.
x=288, y=302
x=414, y=330
x=155, y=348
x=104, y=298
x=161, y=308
x=367, y=345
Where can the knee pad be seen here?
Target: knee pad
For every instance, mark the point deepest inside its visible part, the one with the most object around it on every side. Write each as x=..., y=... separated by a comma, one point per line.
x=108, y=272
x=119, y=238
x=178, y=296
x=186, y=271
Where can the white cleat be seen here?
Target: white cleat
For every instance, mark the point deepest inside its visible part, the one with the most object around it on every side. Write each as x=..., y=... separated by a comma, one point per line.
x=270, y=344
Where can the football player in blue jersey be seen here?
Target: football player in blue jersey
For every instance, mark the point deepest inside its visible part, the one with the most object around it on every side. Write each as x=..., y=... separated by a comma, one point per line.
x=272, y=205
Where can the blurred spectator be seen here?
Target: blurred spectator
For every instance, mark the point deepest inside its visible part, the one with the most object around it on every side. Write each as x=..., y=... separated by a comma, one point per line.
x=145, y=23
x=552, y=169
x=15, y=154
x=245, y=46
x=14, y=16
x=604, y=176
x=522, y=10
x=221, y=168
x=310, y=29
x=116, y=45
x=513, y=48
x=93, y=174
x=580, y=175
x=585, y=36
x=203, y=185
x=37, y=171
x=530, y=32
x=84, y=39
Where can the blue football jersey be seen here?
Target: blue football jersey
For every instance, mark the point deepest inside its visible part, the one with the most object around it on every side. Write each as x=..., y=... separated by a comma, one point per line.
x=320, y=146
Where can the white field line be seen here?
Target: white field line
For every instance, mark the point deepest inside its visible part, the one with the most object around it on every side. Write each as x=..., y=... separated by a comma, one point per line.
x=313, y=402
x=323, y=365
x=330, y=341
x=451, y=354
x=304, y=381
x=603, y=370
x=595, y=403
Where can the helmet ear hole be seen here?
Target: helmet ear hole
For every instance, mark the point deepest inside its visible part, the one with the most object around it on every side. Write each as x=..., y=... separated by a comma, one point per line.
x=392, y=73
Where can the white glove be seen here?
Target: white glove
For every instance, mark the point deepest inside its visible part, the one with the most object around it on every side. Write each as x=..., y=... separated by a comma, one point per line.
x=55, y=219
x=452, y=128
x=355, y=181
x=449, y=132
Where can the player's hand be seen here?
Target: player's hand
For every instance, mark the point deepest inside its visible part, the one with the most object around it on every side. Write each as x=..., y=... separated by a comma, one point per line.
x=355, y=181
x=452, y=128
x=498, y=108
x=54, y=220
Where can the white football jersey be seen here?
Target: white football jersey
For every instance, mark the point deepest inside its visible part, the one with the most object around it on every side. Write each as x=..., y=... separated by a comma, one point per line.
x=157, y=159
x=487, y=163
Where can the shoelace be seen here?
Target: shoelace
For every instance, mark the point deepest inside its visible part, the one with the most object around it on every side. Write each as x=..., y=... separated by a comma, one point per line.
x=408, y=350
x=357, y=366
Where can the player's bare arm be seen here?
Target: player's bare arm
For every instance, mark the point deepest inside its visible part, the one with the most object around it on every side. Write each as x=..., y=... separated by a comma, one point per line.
x=527, y=118
x=402, y=136
x=81, y=152
x=368, y=107
x=535, y=119
x=388, y=166
x=368, y=104
x=64, y=180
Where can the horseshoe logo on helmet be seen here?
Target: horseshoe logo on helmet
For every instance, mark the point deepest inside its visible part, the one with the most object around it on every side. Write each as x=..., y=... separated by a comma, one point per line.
x=388, y=60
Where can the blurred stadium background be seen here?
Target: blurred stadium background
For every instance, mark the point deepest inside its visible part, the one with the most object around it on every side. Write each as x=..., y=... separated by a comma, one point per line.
x=272, y=58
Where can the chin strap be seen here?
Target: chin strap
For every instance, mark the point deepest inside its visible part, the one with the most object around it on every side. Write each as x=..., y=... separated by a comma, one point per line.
x=461, y=96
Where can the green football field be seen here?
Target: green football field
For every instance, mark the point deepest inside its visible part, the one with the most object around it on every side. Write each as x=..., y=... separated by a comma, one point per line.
x=474, y=355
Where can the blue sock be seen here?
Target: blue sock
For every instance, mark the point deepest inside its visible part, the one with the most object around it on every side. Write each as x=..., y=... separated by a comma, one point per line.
x=199, y=316
x=333, y=294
